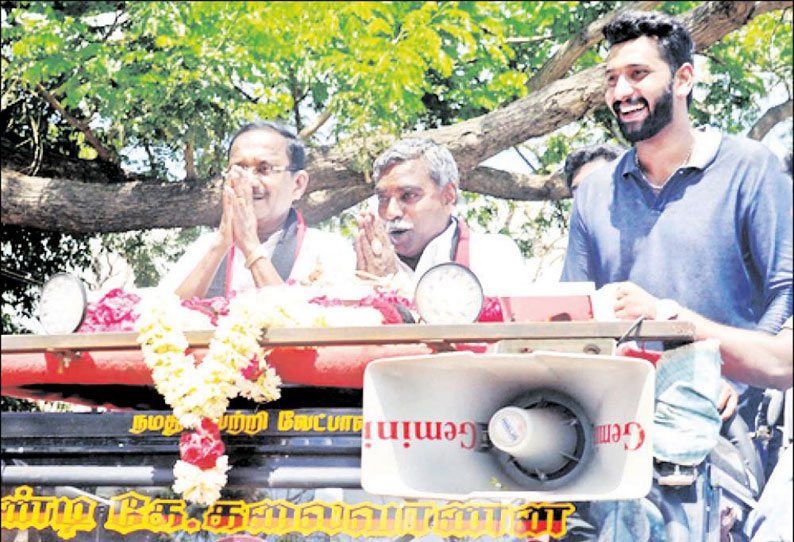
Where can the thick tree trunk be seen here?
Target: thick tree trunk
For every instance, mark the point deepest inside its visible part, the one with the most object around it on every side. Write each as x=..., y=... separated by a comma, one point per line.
x=84, y=207
x=322, y=204
x=71, y=206
x=502, y=184
x=337, y=181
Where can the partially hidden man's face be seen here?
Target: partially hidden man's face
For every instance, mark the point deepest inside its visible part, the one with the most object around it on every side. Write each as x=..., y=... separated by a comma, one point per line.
x=639, y=88
x=415, y=210
x=273, y=193
x=586, y=170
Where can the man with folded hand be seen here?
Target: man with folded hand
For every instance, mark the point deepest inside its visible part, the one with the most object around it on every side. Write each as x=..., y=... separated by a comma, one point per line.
x=416, y=183
x=262, y=240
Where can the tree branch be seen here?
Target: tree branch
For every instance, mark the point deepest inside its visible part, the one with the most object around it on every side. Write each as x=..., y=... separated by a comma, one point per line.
x=296, y=99
x=570, y=51
x=69, y=206
x=519, y=40
x=321, y=119
x=770, y=119
x=711, y=21
x=524, y=158
x=119, y=17
x=321, y=205
x=567, y=100
x=713, y=58
x=516, y=186
x=244, y=93
x=82, y=126
x=190, y=161
x=37, y=128
x=324, y=204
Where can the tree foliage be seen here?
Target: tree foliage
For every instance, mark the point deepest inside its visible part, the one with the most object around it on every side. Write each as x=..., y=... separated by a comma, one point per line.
x=156, y=88
x=177, y=73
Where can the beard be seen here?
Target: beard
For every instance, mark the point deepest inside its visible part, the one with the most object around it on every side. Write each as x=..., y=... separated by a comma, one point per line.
x=661, y=116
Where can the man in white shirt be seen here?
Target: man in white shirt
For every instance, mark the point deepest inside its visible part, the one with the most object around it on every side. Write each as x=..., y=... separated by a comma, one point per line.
x=416, y=182
x=264, y=238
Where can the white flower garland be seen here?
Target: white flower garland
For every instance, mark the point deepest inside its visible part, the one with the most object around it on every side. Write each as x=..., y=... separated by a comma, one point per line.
x=201, y=486
x=234, y=365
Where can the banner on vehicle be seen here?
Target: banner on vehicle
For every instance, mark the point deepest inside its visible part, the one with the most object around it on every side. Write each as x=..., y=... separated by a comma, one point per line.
x=133, y=512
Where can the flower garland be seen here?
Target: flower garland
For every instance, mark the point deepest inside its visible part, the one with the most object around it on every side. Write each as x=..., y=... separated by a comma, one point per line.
x=114, y=312
x=235, y=364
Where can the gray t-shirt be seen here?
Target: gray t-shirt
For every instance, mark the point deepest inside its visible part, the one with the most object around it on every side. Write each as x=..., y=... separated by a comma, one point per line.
x=716, y=239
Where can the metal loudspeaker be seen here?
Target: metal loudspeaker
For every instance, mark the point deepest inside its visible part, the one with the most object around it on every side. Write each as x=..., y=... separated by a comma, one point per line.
x=540, y=427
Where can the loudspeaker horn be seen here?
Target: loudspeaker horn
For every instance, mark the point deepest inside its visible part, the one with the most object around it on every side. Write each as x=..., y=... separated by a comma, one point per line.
x=544, y=426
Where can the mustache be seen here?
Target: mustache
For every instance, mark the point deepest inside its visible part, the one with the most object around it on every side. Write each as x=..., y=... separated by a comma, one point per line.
x=399, y=224
x=630, y=101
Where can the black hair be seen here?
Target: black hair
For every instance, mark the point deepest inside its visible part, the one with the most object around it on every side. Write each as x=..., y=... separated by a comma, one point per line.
x=296, y=151
x=583, y=155
x=674, y=41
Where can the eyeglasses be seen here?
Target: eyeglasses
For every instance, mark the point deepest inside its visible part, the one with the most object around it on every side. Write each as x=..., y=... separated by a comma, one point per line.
x=262, y=170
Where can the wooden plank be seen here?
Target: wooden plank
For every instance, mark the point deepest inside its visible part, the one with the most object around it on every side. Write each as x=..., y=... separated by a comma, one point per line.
x=88, y=341
x=391, y=334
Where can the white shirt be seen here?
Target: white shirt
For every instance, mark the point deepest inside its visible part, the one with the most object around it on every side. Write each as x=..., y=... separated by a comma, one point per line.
x=495, y=259
x=327, y=252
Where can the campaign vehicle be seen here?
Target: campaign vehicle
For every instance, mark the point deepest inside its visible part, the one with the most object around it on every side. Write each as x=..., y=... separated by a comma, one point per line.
x=530, y=424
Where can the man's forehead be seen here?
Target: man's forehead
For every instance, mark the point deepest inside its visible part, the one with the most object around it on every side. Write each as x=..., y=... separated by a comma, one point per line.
x=642, y=51
x=265, y=143
x=406, y=175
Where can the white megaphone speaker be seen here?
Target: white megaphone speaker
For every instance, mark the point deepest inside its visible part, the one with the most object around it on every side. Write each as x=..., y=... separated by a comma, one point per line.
x=544, y=426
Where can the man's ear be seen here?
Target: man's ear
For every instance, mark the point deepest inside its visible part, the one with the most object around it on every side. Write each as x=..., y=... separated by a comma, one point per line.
x=449, y=194
x=684, y=80
x=301, y=181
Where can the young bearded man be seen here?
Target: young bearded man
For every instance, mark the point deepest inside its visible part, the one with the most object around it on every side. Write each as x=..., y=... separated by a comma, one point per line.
x=266, y=239
x=417, y=189
x=694, y=217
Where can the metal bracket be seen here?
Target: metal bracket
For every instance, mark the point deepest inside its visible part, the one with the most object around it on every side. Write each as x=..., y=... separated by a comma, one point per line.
x=441, y=346
x=64, y=357
x=673, y=474
x=578, y=346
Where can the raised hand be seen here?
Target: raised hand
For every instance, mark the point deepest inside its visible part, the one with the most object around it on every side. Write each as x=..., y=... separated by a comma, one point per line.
x=374, y=251
x=243, y=217
x=225, y=237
